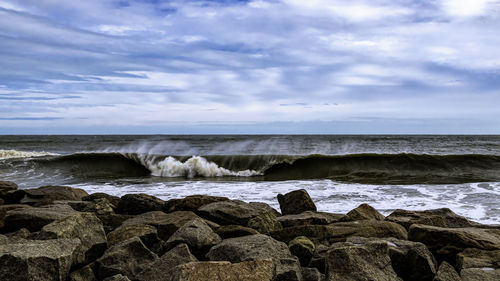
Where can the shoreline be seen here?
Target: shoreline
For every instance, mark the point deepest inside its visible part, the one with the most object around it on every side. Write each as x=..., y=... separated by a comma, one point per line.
x=64, y=233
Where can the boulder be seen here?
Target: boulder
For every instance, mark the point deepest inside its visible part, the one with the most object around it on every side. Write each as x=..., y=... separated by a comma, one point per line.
x=166, y=224
x=113, y=221
x=411, y=261
x=312, y=274
x=446, y=243
x=5, y=208
x=296, y=202
x=47, y=194
x=446, y=272
x=197, y=235
x=127, y=258
x=363, y=212
x=264, y=223
x=302, y=248
x=318, y=259
x=443, y=217
x=99, y=206
x=260, y=270
x=117, y=277
x=134, y=204
x=7, y=186
x=258, y=247
x=113, y=200
x=480, y=274
x=83, y=274
x=147, y=234
x=476, y=264
x=191, y=203
x=309, y=218
x=83, y=226
x=370, y=261
x=162, y=268
x=265, y=208
x=19, y=236
x=48, y=260
x=35, y=218
x=3, y=239
x=231, y=231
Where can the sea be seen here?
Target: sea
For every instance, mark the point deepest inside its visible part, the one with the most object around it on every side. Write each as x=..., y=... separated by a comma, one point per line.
x=340, y=172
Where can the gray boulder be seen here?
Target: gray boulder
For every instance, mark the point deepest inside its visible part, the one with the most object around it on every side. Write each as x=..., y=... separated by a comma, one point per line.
x=35, y=218
x=191, y=203
x=134, y=204
x=147, y=234
x=113, y=200
x=302, y=248
x=296, y=202
x=446, y=272
x=258, y=247
x=312, y=274
x=476, y=264
x=47, y=194
x=443, y=217
x=309, y=218
x=197, y=235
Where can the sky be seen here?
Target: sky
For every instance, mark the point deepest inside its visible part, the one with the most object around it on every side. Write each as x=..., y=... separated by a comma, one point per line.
x=265, y=67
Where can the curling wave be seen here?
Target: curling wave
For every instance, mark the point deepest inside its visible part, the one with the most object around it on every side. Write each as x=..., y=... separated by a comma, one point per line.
x=7, y=154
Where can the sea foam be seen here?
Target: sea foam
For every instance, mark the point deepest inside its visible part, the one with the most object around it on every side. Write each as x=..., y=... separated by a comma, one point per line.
x=6, y=154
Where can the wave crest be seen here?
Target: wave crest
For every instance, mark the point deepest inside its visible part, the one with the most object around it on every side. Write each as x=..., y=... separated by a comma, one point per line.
x=7, y=154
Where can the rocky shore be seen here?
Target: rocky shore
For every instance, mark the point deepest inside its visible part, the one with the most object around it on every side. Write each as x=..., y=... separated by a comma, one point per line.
x=63, y=233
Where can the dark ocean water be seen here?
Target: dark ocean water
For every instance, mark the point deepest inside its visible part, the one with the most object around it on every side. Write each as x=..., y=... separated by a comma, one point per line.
x=340, y=172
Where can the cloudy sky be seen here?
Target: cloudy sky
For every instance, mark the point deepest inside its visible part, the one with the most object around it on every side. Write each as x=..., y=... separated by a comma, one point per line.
x=262, y=66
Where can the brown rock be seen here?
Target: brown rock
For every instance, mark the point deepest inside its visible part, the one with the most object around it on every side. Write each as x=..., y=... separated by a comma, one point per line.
x=302, y=248
x=446, y=272
x=296, y=202
x=47, y=194
x=363, y=212
x=231, y=231
x=476, y=264
x=113, y=200
x=309, y=218
x=7, y=186
x=191, y=203
x=147, y=234
x=443, y=217
x=35, y=218
x=197, y=235
x=134, y=204
x=83, y=274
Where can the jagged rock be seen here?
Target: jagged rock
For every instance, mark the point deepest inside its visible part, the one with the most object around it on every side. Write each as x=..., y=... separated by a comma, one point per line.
x=265, y=207
x=162, y=268
x=147, y=234
x=7, y=186
x=47, y=194
x=191, y=203
x=117, y=277
x=412, y=261
x=231, y=231
x=197, y=235
x=443, y=217
x=83, y=274
x=166, y=224
x=312, y=274
x=446, y=243
x=127, y=258
x=339, y=232
x=19, y=236
x=261, y=270
x=113, y=221
x=113, y=200
x=134, y=204
x=35, y=218
x=99, y=206
x=296, y=202
x=5, y=208
x=258, y=247
x=363, y=212
x=309, y=218
x=476, y=264
x=240, y=213
x=348, y=261
x=318, y=259
x=37, y=260
x=84, y=226
x=302, y=248
x=446, y=272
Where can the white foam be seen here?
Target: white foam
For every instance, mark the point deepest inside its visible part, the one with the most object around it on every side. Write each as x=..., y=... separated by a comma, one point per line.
x=6, y=154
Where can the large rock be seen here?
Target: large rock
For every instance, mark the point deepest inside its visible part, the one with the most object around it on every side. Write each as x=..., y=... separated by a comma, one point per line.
x=443, y=217
x=318, y=259
x=258, y=247
x=162, y=268
x=114, y=200
x=348, y=261
x=83, y=274
x=363, y=212
x=48, y=260
x=240, y=213
x=191, y=203
x=309, y=218
x=47, y=194
x=35, y=218
x=166, y=224
x=261, y=270
x=84, y=226
x=99, y=206
x=6, y=186
x=232, y=231
x=446, y=243
x=134, y=204
x=302, y=248
x=296, y=202
x=476, y=264
x=147, y=234
x=5, y=208
x=113, y=221
x=127, y=258
x=446, y=272
x=197, y=235
x=312, y=274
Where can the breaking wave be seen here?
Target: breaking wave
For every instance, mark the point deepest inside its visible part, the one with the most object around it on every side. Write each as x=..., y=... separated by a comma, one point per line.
x=7, y=154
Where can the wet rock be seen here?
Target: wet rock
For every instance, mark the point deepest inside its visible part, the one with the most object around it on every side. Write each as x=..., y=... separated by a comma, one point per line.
x=446, y=243
x=197, y=235
x=35, y=218
x=7, y=186
x=446, y=272
x=302, y=248
x=47, y=194
x=37, y=260
x=117, y=277
x=363, y=212
x=83, y=274
x=258, y=247
x=261, y=270
x=134, y=204
x=162, y=268
x=147, y=234
x=312, y=274
x=476, y=264
x=84, y=226
x=309, y=218
x=191, y=203
x=166, y=224
x=443, y=217
x=296, y=202
x=113, y=221
x=231, y=231
x=348, y=261
x=127, y=258
x=113, y=200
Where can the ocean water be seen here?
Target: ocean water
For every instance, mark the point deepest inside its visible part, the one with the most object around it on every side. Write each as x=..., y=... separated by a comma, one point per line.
x=339, y=172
